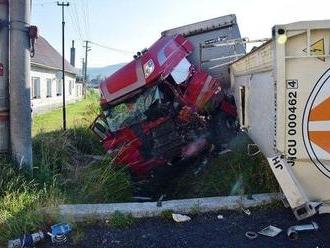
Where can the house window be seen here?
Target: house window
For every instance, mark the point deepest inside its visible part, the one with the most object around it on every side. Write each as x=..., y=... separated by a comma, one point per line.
x=58, y=87
x=35, y=87
x=49, y=87
x=70, y=87
x=76, y=90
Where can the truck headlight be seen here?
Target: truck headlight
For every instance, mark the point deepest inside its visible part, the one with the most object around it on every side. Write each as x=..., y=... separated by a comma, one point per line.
x=148, y=68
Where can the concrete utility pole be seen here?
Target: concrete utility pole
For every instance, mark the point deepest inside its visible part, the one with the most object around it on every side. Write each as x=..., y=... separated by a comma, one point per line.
x=63, y=61
x=4, y=91
x=87, y=49
x=19, y=87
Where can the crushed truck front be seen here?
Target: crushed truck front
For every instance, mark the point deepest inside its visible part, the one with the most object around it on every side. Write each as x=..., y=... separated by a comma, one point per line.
x=155, y=108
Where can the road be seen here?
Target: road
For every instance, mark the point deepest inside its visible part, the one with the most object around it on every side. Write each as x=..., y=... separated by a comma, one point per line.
x=207, y=230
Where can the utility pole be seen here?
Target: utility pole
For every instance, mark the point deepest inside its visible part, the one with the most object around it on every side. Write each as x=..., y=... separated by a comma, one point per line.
x=63, y=59
x=4, y=84
x=19, y=87
x=87, y=49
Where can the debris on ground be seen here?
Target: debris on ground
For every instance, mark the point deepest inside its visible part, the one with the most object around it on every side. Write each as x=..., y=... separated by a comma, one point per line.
x=201, y=167
x=57, y=234
x=270, y=231
x=246, y=211
x=251, y=235
x=220, y=217
x=224, y=152
x=159, y=202
x=293, y=231
x=180, y=218
x=27, y=240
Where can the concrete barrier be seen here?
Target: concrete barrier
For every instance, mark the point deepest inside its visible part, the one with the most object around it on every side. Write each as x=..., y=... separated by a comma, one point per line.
x=83, y=212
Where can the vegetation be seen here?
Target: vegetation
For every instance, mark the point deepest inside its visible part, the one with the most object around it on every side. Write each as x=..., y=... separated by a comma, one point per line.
x=120, y=220
x=71, y=167
x=233, y=173
x=67, y=169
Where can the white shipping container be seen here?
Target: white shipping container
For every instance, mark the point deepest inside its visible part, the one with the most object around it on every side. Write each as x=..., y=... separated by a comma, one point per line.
x=282, y=90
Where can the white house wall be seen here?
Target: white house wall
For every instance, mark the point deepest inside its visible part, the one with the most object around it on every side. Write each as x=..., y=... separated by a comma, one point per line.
x=45, y=103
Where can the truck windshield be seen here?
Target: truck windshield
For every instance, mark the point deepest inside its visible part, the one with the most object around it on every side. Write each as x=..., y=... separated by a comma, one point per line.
x=133, y=111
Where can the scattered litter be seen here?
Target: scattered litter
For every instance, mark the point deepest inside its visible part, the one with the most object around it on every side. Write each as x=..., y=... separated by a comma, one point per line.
x=220, y=217
x=293, y=231
x=28, y=240
x=58, y=235
x=180, y=218
x=251, y=235
x=159, y=202
x=224, y=152
x=246, y=211
x=270, y=231
x=201, y=167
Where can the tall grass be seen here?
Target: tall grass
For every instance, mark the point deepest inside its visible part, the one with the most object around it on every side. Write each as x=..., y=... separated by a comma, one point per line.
x=66, y=170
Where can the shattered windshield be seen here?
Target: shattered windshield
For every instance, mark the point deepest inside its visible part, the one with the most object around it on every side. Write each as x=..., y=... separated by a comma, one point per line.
x=132, y=111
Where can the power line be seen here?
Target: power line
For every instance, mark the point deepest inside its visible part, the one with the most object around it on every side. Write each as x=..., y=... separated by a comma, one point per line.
x=78, y=19
x=112, y=48
x=75, y=24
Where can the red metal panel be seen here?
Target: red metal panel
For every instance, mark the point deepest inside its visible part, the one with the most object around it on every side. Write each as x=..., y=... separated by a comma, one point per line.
x=165, y=54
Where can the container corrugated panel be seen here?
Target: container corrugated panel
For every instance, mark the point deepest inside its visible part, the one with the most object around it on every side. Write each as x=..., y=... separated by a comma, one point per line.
x=222, y=28
x=287, y=101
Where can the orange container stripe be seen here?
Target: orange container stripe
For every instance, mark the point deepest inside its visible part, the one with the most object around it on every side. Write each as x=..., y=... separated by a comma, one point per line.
x=321, y=139
x=321, y=112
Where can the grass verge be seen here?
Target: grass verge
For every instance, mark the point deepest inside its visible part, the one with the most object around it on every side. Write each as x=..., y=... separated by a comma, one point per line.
x=69, y=167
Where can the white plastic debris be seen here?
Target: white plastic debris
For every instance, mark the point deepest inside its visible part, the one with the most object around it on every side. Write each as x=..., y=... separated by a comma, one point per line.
x=224, y=152
x=270, y=231
x=246, y=211
x=180, y=218
x=220, y=217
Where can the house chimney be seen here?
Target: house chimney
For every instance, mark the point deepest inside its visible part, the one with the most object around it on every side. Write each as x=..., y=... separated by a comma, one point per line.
x=72, y=54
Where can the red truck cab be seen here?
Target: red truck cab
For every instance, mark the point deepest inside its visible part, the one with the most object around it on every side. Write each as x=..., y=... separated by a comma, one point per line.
x=154, y=107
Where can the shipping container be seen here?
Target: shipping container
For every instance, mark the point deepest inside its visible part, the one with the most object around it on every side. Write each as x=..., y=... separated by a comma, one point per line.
x=213, y=60
x=282, y=91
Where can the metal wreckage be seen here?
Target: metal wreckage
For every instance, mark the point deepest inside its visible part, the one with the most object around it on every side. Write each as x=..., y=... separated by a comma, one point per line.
x=163, y=107
x=158, y=108
x=173, y=102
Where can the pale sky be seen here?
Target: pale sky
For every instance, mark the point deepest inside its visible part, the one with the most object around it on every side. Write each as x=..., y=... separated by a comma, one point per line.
x=132, y=25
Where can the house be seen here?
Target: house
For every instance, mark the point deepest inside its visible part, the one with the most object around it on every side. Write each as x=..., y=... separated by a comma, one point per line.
x=46, y=79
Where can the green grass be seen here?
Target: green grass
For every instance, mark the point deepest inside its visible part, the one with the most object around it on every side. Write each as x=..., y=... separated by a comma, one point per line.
x=77, y=114
x=120, y=220
x=65, y=171
x=233, y=173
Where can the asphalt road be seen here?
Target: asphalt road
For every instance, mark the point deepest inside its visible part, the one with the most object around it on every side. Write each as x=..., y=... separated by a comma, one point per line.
x=207, y=231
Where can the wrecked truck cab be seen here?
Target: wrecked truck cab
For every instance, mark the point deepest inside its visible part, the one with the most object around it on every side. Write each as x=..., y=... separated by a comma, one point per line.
x=154, y=107
x=155, y=63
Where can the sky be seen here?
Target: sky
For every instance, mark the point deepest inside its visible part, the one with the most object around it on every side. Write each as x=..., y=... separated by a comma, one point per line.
x=131, y=25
